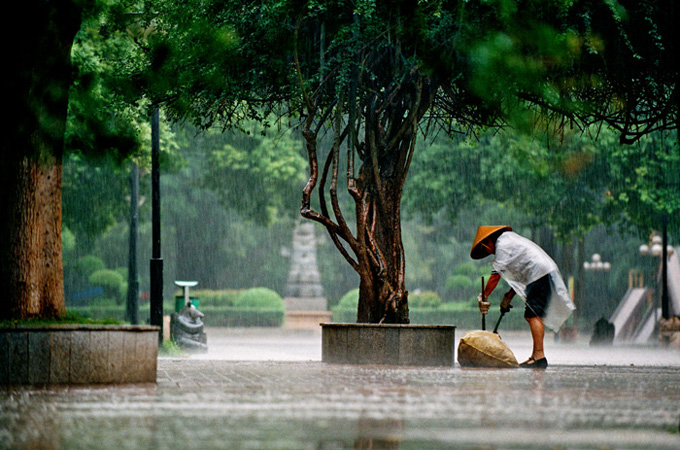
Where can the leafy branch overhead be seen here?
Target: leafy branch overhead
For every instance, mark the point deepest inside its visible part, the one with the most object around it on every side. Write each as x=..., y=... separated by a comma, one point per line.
x=363, y=79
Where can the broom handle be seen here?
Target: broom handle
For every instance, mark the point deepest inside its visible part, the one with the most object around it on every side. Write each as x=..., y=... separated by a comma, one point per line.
x=483, y=299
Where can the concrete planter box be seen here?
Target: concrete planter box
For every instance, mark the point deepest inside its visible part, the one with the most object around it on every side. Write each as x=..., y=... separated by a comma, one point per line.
x=78, y=354
x=361, y=343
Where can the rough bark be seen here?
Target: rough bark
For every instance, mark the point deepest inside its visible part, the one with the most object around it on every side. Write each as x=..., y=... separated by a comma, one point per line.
x=32, y=276
x=388, y=134
x=31, y=160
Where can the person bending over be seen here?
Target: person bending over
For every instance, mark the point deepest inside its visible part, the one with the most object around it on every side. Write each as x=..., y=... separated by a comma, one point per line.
x=532, y=275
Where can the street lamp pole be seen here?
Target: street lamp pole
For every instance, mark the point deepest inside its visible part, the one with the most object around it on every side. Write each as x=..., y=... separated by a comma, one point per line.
x=665, y=313
x=156, y=263
x=658, y=246
x=597, y=265
x=132, y=309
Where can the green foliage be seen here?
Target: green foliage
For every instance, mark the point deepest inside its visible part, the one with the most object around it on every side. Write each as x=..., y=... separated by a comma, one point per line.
x=70, y=318
x=262, y=173
x=215, y=316
x=101, y=115
x=259, y=297
x=245, y=49
x=68, y=240
x=350, y=300
x=427, y=299
x=93, y=195
x=170, y=348
x=468, y=269
x=457, y=283
x=76, y=276
x=644, y=185
x=464, y=283
x=464, y=317
x=111, y=281
x=217, y=298
x=244, y=316
x=89, y=264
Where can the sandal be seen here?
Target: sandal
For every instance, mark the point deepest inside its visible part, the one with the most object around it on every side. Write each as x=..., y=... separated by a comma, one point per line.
x=532, y=363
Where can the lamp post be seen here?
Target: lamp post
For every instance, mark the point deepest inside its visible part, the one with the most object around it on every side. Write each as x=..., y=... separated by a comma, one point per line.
x=132, y=305
x=156, y=263
x=658, y=247
x=597, y=265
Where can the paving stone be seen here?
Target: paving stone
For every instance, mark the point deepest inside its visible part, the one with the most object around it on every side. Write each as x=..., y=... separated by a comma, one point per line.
x=309, y=404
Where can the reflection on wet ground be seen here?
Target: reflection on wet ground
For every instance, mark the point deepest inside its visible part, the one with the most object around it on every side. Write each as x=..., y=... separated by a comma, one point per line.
x=307, y=404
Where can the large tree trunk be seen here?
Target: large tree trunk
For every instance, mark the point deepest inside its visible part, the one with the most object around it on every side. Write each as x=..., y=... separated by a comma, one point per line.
x=382, y=292
x=31, y=275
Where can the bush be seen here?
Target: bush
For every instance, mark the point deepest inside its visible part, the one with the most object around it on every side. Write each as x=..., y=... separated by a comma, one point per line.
x=226, y=316
x=207, y=297
x=467, y=269
x=465, y=281
x=427, y=299
x=458, y=314
x=350, y=300
x=215, y=316
x=112, y=282
x=89, y=264
x=459, y=283
x=262, y=298
x=111, y=312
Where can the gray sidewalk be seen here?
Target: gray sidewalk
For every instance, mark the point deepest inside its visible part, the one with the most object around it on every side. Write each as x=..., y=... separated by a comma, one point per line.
x=267, y=389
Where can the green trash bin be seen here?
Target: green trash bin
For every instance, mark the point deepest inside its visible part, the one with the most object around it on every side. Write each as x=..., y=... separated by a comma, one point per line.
x=179, y=302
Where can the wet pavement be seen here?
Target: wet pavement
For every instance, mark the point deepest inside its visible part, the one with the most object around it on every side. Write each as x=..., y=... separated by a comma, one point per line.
x=268, y=389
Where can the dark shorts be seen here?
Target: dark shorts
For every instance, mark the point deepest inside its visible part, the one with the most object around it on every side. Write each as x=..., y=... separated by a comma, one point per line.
x=538, y=295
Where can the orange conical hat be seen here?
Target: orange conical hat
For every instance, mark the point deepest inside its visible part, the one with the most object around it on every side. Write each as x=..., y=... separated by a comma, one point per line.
x=483, y=232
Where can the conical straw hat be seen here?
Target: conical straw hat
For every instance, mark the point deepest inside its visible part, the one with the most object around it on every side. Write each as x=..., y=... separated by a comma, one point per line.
x=483, y=232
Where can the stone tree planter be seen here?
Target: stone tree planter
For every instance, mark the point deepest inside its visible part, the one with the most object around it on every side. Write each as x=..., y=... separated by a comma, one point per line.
x=362, y=343
x=78, y=354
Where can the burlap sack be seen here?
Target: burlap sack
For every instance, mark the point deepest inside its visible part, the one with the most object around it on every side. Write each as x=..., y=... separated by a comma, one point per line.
x=485, y=349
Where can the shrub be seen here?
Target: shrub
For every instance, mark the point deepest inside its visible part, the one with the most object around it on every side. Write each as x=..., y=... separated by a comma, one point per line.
x=459, y=282
x=468, y=269
x=259, y=297
x=207, y=297
x=227, y=316
x=458, y=306
x=89, y=264
x=111, y=281
x=350, y=300
x=427, y=299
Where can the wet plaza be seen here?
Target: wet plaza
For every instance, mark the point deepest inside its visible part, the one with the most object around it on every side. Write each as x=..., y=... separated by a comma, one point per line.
x=268, y=389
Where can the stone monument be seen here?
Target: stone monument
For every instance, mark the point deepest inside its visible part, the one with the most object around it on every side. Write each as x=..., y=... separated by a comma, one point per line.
x=306, y=306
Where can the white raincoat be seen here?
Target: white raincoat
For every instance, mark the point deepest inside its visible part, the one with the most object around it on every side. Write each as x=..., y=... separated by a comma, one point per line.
x=520, y=262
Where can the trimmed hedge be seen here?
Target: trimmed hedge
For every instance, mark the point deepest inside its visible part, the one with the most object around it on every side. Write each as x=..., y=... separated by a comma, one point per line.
x=243, y=317
x=466, y=319
x=215, y=316
x=101, y=312
x=259, y=297
x=208, y=297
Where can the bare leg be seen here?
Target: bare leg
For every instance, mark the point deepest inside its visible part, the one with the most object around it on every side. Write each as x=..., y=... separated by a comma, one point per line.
x=537, y=334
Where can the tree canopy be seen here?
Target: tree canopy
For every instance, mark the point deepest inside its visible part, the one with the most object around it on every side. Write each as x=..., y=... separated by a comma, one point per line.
x=364, y=78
